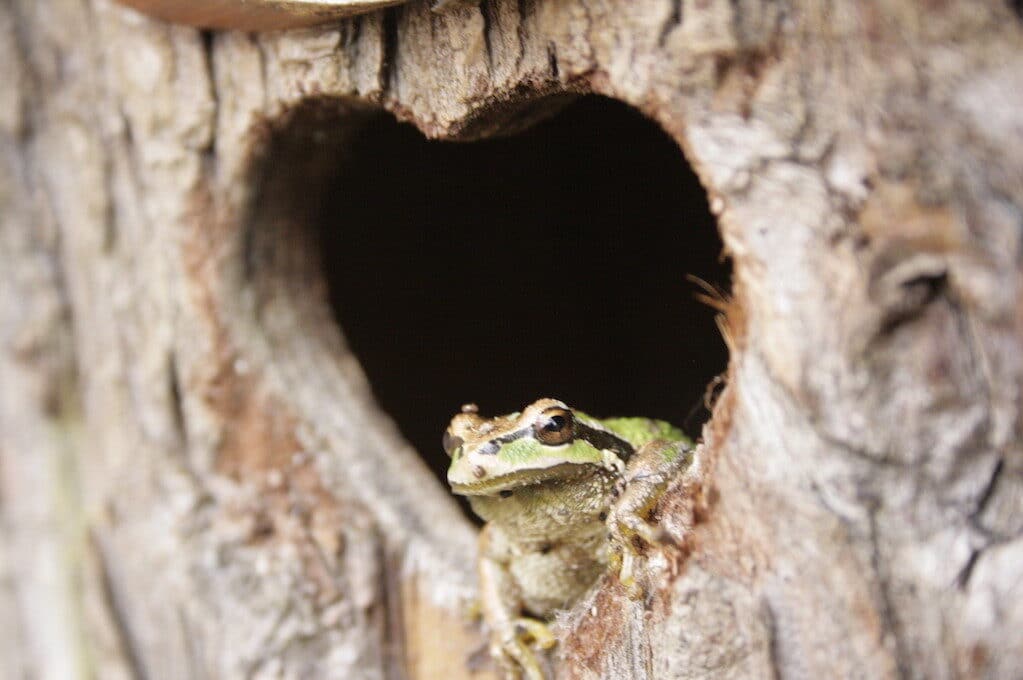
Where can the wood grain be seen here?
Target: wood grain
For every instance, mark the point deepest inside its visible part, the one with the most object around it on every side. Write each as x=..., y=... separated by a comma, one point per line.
x=195, y=480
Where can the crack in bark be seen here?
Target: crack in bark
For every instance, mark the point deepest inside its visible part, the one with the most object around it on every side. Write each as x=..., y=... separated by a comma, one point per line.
x=552, y=60
x=176, y=401
x=118, y=615
x=351, y=39
x=488, y=26
x=988, y=491
x=673, y=21
x=264, y=75
x=389, y=49
x=352, y=32
x=963, y=578
x=889, y=622
x=521, y=8
x=773, y=639
x=206, y=154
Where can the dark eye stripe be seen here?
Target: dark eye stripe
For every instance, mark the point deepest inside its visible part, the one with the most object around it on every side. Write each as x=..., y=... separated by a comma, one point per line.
x=602, y=439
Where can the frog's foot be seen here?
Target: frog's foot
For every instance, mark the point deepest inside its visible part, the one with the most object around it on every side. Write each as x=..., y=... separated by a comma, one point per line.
x=515, y=647
x=628, y=522
x=629, y=532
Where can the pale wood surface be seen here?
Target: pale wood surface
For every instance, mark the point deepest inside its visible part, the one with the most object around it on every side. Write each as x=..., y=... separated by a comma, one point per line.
x=193, y=488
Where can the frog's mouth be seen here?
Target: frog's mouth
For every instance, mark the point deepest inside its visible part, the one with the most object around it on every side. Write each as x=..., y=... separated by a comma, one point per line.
x=523, y=478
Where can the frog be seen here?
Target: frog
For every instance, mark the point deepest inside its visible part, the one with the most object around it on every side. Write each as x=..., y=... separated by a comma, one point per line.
x=565, y=498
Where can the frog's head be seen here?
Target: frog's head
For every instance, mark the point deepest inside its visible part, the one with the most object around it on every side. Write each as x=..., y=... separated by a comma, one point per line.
x=546, y=441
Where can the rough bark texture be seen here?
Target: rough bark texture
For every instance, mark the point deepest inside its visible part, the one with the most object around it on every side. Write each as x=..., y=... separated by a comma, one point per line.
x=196, y=482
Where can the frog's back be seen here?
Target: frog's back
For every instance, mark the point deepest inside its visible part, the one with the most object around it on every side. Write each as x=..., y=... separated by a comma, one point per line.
x=640, y=431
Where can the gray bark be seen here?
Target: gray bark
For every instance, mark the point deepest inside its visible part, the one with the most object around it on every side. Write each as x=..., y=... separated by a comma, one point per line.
x=191, y=487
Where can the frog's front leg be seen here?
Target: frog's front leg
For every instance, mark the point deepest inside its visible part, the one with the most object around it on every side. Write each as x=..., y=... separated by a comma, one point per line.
x=646, y=477
x=511, y=635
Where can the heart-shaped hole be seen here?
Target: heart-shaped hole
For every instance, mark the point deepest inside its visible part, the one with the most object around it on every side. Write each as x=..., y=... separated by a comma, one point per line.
x=549, y=263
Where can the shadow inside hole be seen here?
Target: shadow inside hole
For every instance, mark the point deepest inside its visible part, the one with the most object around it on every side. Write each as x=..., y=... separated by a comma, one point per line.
x=550, y=263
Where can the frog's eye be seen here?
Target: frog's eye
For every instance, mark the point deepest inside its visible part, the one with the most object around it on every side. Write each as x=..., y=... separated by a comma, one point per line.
x=554, y=426
x=450, y=443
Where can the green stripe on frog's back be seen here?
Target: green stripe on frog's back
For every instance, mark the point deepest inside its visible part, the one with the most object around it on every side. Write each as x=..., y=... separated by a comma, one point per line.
x=640, y=431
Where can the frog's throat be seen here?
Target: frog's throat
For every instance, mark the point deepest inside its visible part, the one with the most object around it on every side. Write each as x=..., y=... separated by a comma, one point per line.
x=524, y=478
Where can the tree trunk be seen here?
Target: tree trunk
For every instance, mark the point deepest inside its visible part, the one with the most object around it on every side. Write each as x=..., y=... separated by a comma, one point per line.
x=198, y=483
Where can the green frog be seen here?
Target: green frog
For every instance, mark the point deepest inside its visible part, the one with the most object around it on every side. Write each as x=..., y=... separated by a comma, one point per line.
x=565, y=497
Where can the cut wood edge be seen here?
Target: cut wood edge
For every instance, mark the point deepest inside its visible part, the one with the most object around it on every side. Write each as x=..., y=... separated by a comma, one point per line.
x=255, y=15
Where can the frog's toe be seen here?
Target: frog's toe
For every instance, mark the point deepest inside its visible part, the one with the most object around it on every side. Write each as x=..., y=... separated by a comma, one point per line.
x=628, y=525
x=623, y=561
x=516, y=648
x=629, y=533
x=627, y=528
x=518, y=660
x=514, y=663
x=535, y=631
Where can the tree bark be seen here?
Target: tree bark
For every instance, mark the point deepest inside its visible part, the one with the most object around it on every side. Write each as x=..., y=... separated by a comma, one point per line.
x=196, y=481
